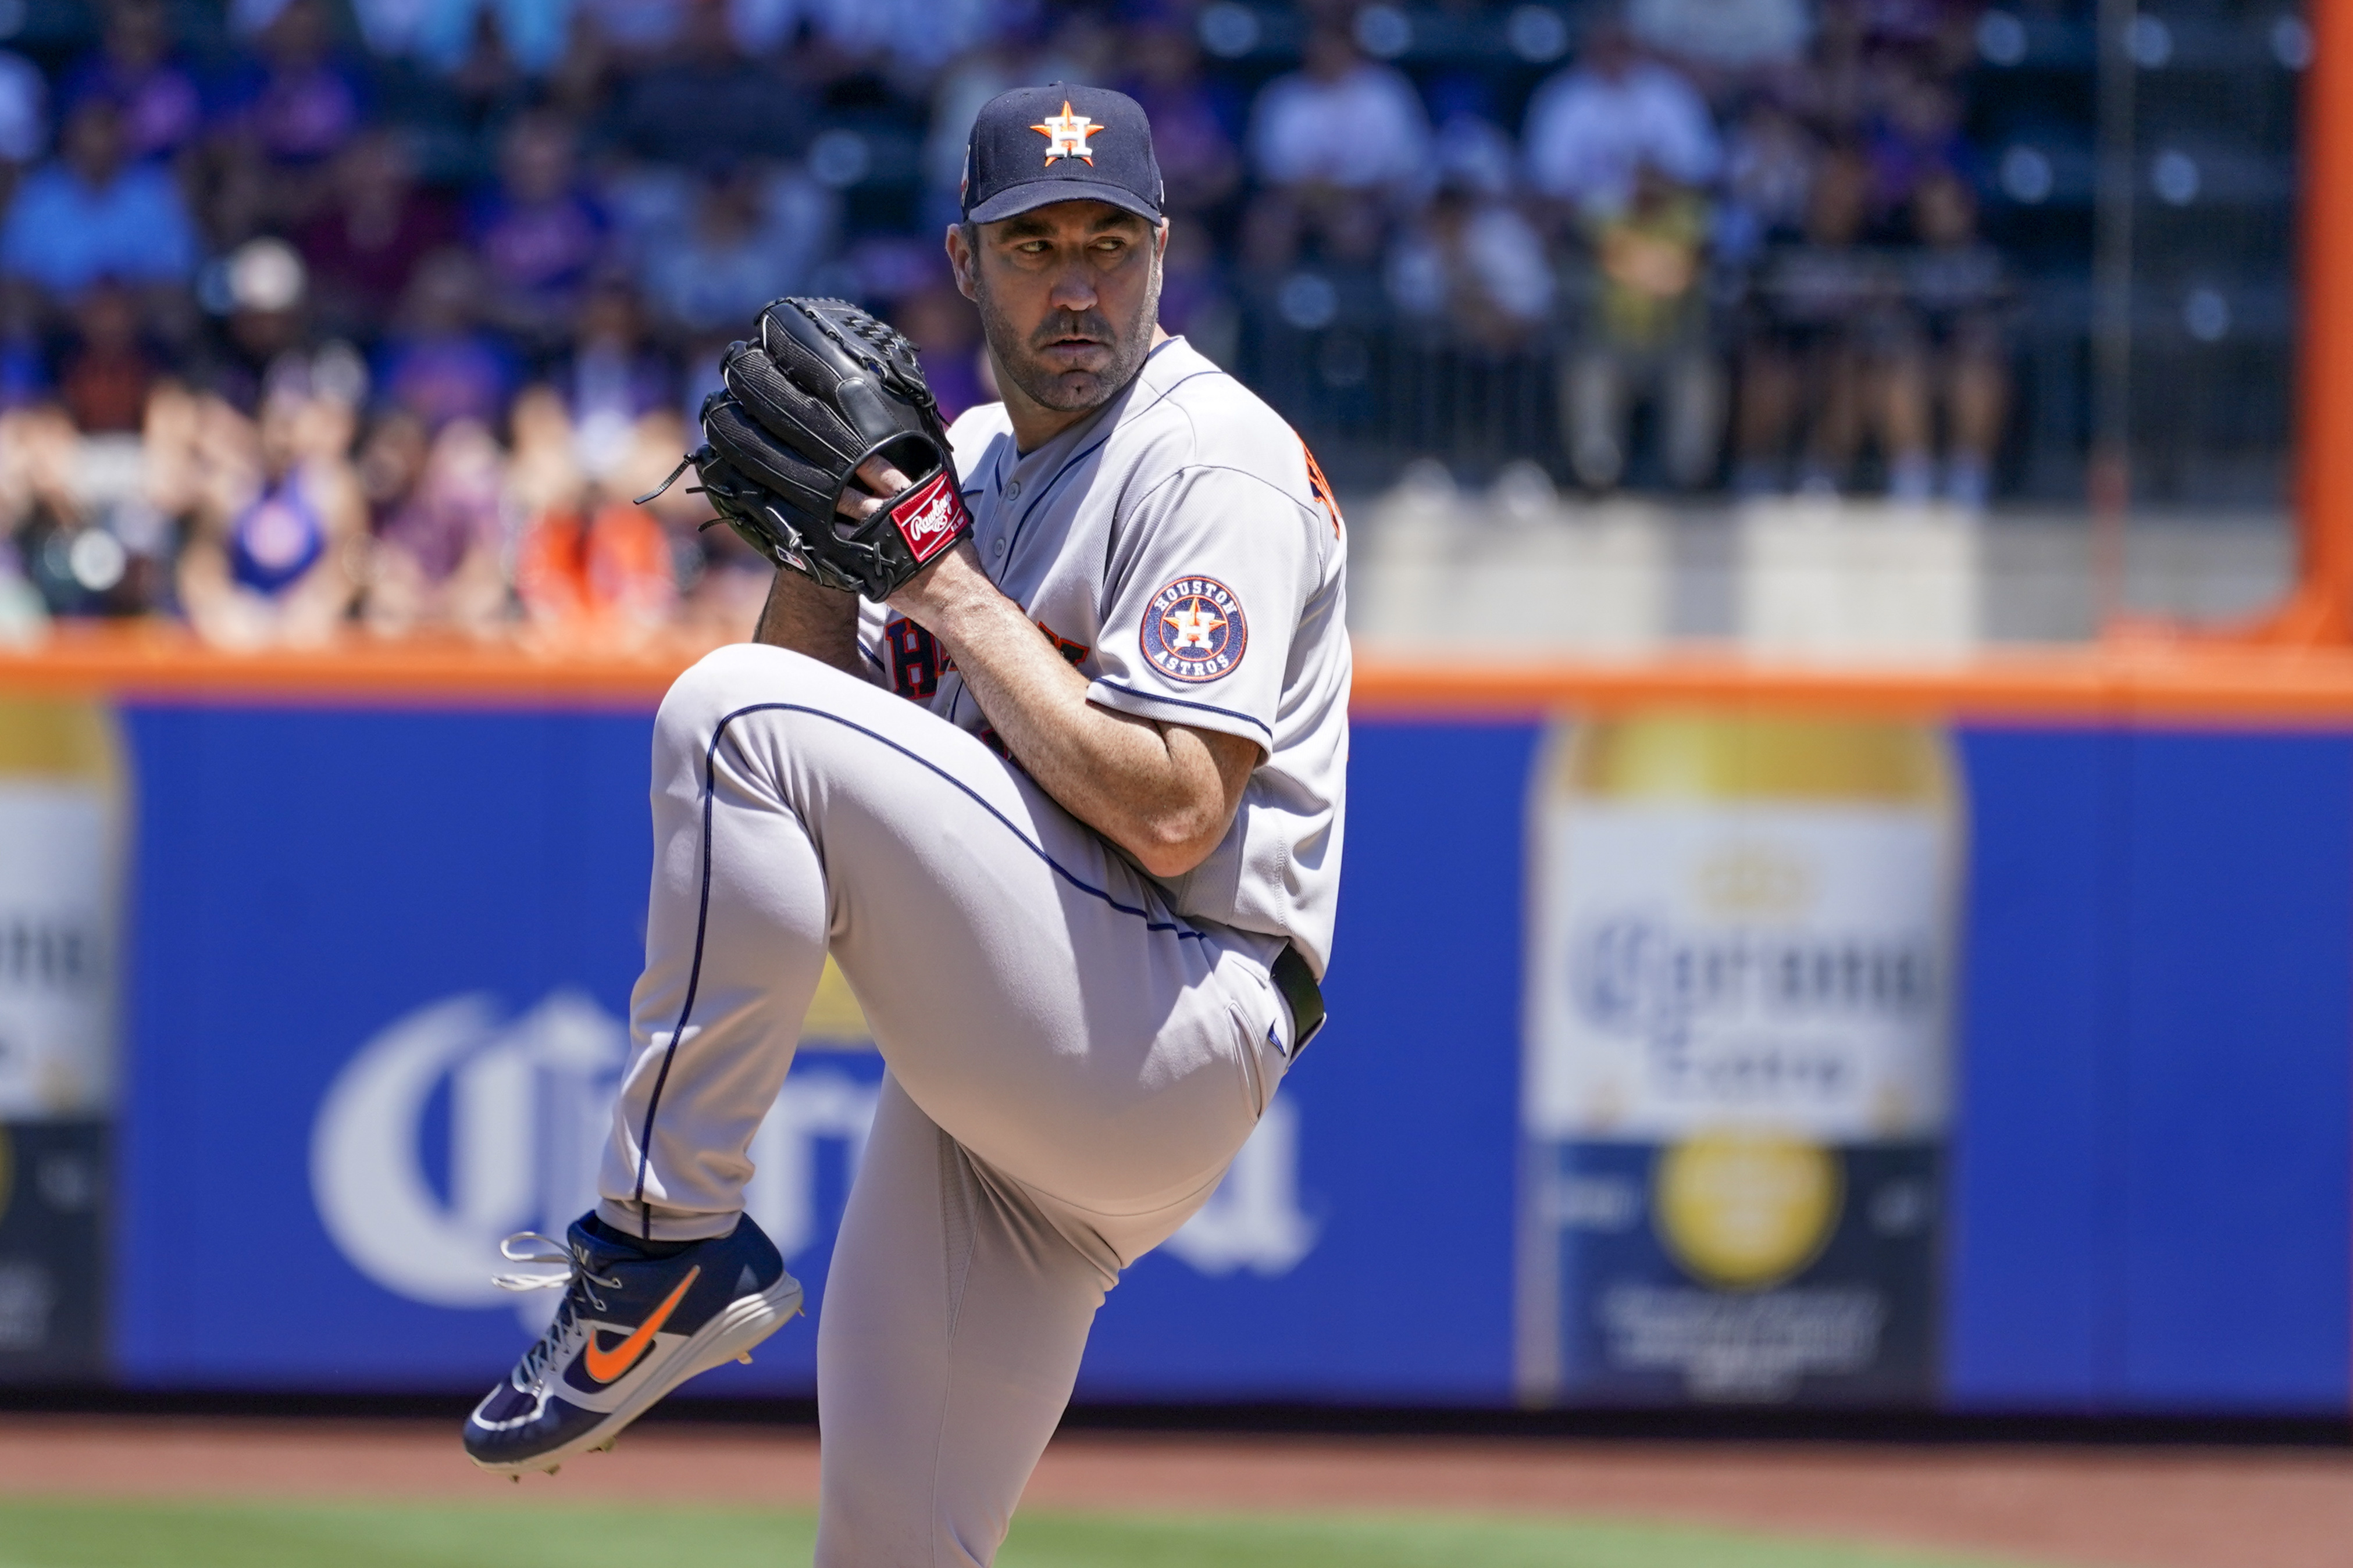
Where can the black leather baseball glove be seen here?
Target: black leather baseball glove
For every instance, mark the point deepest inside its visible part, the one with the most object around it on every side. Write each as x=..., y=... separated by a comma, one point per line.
x=825, y=388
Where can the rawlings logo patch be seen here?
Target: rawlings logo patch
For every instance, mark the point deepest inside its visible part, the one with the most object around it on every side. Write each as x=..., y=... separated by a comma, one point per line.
x=1194, y=630
x=930, y=516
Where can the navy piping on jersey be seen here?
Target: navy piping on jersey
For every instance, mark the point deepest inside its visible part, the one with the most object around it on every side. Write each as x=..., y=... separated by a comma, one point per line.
x=1013, y=541
x=1076, y=458
x=1181, y=702
x=702, y=910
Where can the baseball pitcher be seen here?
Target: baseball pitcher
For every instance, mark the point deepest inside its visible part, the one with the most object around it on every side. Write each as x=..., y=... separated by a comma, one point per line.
x=1044, y=738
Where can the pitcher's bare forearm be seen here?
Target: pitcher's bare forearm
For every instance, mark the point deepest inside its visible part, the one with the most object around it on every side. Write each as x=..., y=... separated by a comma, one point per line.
x=804, y=617
x=1164, y=793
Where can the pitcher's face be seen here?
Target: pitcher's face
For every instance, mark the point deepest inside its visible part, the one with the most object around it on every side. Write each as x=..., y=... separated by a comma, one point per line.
x=1069, y=296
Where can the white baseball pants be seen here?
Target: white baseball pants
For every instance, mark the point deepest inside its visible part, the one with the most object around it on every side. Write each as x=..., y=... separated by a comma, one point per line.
x=1070, y=1069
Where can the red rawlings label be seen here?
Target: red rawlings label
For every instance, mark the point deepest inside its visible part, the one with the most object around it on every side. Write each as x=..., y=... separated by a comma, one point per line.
x=930, y=516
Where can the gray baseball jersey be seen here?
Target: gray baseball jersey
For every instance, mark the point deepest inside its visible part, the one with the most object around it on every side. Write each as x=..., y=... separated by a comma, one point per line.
x=1075, y=1050
x=1182, y=548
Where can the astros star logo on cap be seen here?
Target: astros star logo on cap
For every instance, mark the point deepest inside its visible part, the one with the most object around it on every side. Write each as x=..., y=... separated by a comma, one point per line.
x=1066, y=134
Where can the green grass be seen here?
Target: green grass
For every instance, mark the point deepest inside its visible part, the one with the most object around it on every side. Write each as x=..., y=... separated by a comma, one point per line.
x=121, y=1534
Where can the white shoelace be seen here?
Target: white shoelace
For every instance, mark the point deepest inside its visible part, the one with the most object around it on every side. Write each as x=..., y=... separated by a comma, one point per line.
x=577, y=1281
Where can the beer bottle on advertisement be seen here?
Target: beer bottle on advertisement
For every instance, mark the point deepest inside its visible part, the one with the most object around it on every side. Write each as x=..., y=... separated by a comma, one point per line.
x=62, y=828
x=1741, y=973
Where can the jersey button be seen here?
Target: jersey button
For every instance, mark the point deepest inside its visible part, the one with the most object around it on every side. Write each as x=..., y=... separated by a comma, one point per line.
x=1013, y=491
x=1000, y=549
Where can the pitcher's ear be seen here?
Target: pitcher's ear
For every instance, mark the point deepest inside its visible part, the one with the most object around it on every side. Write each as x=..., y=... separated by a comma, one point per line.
x=962, y=259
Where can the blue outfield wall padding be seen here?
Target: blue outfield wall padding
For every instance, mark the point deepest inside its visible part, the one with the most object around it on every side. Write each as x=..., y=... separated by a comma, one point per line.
x=2156, y=1093
x=309, y=878
x=2030, y=1305
x=1407, y=1110
x=2238, y=1011
x=306, y=878
x=2152, y=1159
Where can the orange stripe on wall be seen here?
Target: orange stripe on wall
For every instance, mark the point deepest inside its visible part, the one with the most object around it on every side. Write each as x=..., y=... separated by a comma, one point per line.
x=2207, y=684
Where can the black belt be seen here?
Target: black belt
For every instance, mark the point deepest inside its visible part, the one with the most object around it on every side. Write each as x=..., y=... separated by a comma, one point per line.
x=1297, y=982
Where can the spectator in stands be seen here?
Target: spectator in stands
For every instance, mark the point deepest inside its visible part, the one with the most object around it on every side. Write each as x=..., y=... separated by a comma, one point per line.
x=1001, y=57
x=1724, y=40
x=1649, y=338
x=390, y=462
x=437, y=361
x=539, y=232
x=439, y=541
x=589, y=563
x=1472, y=149
x=1591, y=128
x=267, y=294
x=108, y=371
x=1768, y=177
x=722, y=582
x=728, y=585
x=136, y=66
x=1340, y=148
x=1819, y=307
x=458, y=38
x=1937, y=37
x=231, y=191
x=1199, y=165
x=1470, y=259
x=1195, y=301
x=296, y=101
x=632, y=30
x=751, y=237
x=24, y=356
x=1915, y=135
x=77, y=569
x=89, y=215
x=1953, y=356
x=698, y=370
x=88, y=527
x=708, y=98
x=945, y=331
x=997, y=64
x=613, y=377
x=488, y=82
x=283, y=515
x=580, y=87
x=543, y=473
x=22, y=618
x=364, y=246
x=917, y=36
x=24, y=115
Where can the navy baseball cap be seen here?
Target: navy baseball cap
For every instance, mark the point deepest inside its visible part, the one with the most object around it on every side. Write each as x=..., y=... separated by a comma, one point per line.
x=1060, y=142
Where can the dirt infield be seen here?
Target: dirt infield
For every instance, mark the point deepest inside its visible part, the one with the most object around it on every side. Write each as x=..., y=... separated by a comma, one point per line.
x=2100, y=1508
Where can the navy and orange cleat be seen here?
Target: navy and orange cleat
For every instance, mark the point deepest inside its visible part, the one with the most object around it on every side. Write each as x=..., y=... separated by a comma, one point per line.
x=631, y=1328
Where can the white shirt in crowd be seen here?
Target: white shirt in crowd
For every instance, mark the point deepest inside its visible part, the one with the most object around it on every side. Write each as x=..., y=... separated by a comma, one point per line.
x=1587, y=135
x=1736, y=35
x=1364, y=131
x=1498, y=254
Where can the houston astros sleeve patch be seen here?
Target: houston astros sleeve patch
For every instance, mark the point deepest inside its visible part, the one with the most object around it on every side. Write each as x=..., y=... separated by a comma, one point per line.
x=1194, y=630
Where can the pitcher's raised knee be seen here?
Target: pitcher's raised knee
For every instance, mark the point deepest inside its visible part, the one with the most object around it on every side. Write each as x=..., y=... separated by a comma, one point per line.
x=739, y=676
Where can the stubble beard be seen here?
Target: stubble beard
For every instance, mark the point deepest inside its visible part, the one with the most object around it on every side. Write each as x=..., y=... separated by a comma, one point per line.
x=1066, y=392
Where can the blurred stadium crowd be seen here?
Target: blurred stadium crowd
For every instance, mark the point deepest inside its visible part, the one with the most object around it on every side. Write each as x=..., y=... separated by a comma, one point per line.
x=311, y=314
